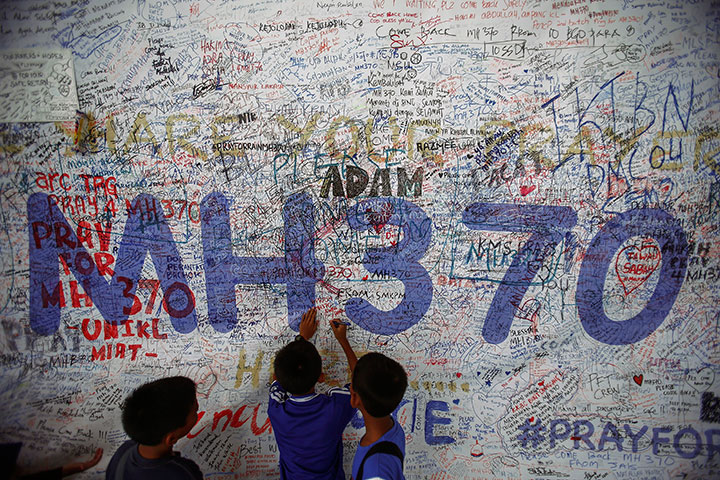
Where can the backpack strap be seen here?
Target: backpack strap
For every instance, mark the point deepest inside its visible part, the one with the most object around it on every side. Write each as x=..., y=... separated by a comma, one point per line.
x=381, y=447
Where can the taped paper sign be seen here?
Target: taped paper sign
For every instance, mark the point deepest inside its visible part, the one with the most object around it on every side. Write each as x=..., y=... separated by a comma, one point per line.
x=37, y=86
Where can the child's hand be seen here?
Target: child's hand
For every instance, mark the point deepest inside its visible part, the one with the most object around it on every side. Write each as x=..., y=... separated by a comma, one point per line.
x=71, y=468
x=339, y=329
x=308, y=324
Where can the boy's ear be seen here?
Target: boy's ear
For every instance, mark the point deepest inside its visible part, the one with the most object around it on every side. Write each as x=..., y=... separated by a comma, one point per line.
x=170, y=439
x=355, y=401
x=321, y=378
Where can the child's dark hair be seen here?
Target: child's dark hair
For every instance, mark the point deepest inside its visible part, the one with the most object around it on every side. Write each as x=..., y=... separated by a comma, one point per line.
x=380, y=382
x=298, y=366
x=157, y=408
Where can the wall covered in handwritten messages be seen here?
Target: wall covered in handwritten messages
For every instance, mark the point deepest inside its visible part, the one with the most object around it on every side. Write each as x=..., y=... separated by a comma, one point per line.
x=517, y=199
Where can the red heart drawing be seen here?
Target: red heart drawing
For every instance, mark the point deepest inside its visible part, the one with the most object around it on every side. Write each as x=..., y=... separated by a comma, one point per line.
x=378, y=219
x=525, y=190
x=529, y=310
x=634, y=265
x=638, y=379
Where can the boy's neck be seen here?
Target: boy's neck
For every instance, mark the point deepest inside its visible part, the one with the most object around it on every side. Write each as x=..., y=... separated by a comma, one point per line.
x=153, y=452
x=375, y=428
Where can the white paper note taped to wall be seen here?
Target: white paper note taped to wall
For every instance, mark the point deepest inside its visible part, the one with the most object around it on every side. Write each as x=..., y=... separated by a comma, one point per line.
x=37, y=85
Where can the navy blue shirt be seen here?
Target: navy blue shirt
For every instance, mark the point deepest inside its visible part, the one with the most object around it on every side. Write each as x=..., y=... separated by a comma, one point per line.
x=308, y=430
x=381, y=466
x=173, y=467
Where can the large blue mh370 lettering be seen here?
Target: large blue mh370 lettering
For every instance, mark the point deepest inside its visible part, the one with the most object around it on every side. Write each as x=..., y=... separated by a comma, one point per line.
x=298, y=269
x=52, y=240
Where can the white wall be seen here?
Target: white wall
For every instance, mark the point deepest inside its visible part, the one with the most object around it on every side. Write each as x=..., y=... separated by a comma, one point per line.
x=578, y=139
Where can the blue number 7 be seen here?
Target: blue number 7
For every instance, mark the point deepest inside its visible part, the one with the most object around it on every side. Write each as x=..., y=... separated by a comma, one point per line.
x=548, y=225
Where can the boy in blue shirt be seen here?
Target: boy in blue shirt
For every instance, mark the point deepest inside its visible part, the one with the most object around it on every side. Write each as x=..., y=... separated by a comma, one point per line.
x=308, y=426
x=377, y=388
x=155, y=416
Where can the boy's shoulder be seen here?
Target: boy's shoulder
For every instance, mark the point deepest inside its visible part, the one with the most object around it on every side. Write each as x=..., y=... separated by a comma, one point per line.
x=340, y=391
x=135, y=466
x=279, y=395
x=396, y=435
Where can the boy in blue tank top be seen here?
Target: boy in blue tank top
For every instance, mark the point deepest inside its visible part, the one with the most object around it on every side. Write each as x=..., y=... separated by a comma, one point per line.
x=308, y=426
x=377, y=388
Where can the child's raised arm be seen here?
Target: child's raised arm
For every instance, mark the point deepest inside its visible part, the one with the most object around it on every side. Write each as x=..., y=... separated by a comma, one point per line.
x=340, y=330
x=308, y=324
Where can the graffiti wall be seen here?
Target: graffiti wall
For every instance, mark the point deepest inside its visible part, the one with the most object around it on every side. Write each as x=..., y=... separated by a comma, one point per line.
x=517, y=199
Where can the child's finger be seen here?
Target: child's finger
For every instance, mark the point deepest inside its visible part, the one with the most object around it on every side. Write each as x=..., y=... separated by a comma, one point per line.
x=337, y=326
x=98, y=455
x=309, y=315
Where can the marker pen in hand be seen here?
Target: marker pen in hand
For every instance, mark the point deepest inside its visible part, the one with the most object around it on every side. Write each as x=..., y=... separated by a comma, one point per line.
x=340, y=322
